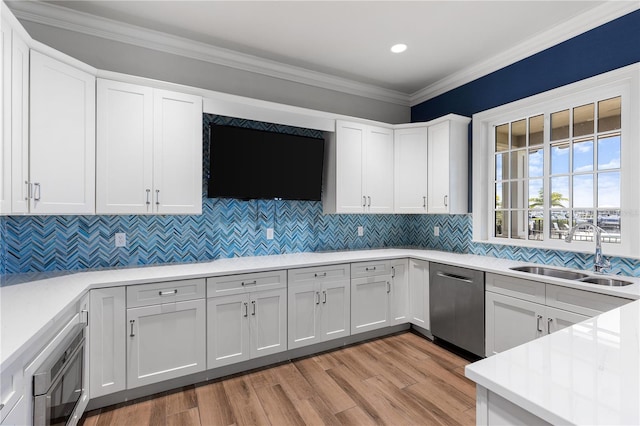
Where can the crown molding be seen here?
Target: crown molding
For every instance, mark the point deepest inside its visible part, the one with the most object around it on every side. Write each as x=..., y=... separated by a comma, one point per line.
x=92, y=25
x=560, y=33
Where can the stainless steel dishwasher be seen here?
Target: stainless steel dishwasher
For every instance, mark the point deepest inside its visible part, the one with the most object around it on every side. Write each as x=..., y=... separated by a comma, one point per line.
x=456, y=305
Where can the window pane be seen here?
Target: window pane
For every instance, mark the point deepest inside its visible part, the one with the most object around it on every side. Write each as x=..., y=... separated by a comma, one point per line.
x=560, y=125
x=536, y=127
x=583, y=156
x=560, y=224
x=518, y=195
x=559, y=192
x=502, y=138
x=519, y=225
x=502, y=195
x=560, y=159
x=501, y=225
x=583, y=120
x=609, y=190
x=518, y=164
x=536, y=222
x=536, y=194
x=609, y=115
x=583, y=216
x=518, y=134
x=609, y=152
x=583, y=191
x=502, y=162
x=609, y=221
x=536, y=162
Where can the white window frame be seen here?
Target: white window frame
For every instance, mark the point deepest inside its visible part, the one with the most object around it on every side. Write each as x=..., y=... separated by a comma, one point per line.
x=624, y=82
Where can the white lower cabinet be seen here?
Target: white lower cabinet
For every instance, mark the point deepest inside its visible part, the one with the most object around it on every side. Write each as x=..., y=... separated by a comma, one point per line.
x=370, y=289
x=419, y=293
x=165, y=341
x=318, y=304
x=107, y=341
x=246, y=325
x=399, y=294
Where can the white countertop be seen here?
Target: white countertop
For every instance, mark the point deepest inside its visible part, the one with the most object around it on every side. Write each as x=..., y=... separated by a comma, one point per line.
x=585, y=374
x=29, y=310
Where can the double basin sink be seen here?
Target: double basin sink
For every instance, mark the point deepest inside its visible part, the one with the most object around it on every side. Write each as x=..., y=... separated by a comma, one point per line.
x=571, y=275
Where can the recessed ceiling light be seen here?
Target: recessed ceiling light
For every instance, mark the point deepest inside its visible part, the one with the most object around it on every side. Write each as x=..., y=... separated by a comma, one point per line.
x=398, y=48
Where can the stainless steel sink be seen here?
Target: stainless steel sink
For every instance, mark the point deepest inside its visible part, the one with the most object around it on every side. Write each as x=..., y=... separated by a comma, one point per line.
x=605, y=281
x=551, y=272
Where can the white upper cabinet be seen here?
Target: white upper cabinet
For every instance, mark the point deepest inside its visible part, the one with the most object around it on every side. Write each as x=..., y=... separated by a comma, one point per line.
x=447, y=167
x=149, y=150
x=360, y=169
x=62, y=138
x=410, y=181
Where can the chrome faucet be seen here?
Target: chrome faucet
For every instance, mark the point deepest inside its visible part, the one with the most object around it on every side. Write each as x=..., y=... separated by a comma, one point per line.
x=600, y=264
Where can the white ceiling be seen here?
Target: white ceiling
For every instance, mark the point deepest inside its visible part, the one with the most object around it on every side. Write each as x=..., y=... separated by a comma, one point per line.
x=351, y=39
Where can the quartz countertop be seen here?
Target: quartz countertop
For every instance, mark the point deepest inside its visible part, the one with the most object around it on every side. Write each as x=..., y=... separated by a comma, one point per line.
x=30, y=307
x=585, y=374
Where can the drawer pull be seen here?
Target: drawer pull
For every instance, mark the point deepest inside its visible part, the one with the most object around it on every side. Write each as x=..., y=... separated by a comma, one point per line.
x=317, y=297
x=322, y=275
x=131, y=324
x=370, y=269
x=388, y=287
x=324, y=296
x=254, y=282
x=246, y=309
x=168, y=293
x=539, y=317
x=253, y=303
x=549, y=320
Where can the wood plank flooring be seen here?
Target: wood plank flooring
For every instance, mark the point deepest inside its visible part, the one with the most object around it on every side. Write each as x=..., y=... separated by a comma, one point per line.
x=402, y=379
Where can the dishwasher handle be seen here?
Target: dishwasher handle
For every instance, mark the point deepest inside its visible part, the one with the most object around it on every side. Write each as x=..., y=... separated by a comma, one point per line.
x=454, y=277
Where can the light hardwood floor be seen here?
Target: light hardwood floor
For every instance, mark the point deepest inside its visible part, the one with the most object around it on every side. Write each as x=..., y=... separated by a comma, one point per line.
x=402, y=379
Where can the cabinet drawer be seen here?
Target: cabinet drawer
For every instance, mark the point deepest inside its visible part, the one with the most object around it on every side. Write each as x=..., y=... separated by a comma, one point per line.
x=532, y=291
x=11, y=389
x=581, y=301
x=370, y=269
x=242, y=283
x=166, y=292
x=325, y=273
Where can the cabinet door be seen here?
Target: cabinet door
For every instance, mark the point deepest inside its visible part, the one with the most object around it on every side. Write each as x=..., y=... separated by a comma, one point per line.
x=5, y=142
x=107, y=340
x=336, y=308
x=419, y=293
x=438, y=168
x=62, y=137
x=165, y=341
x=124, y=146
x=399, y=296
x=303, y=314
x=268, y=322
x=557, y=319
x=378, y=166
x=177, y=153
x=370, y=303
x=350, y=139
x=511, y=322
x=227, y=330
x=410, y=170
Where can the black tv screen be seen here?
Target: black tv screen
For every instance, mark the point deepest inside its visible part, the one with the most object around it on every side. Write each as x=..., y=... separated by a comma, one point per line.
x=255, y=164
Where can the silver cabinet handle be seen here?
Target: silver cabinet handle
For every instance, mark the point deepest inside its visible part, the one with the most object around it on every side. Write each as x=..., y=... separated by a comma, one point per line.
x=253, y=303
x=131, y=324
x=148, y=195
x=424, y=202
x=324, y=296
x=454, y=277
x=168, y=293
x=1, y=407
x=246, y=309
x=393, y=272
x=157, y=197
x=369, y=205
x=549, y=320
x=317, y=298
x=538, y=318
x=85, y=317
x=254, y=282
x=322, y=275
x=388, y=287
x=36, y=190
x=446, y=200
x=29, y=190
x=370, y=269
x=364, y=201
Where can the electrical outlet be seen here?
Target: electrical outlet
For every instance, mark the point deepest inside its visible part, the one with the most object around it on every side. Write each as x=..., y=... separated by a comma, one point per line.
x=360, y=231
x=436, y=231
x=269, y=233
x=121, y=239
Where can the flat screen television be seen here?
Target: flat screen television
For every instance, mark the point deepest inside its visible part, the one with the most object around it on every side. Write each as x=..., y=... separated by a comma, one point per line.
x=256, y=164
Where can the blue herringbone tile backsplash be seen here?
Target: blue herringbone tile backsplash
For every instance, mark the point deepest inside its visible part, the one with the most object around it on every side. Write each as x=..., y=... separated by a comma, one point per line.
x=229, y=228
